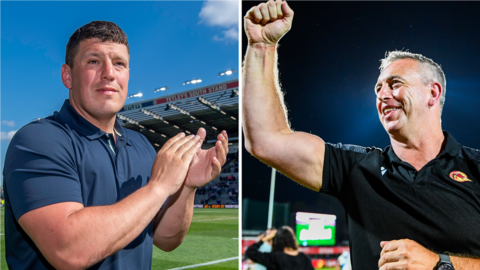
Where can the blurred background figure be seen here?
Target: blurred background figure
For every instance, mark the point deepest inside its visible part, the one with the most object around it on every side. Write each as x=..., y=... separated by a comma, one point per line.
x=266, y=247
x=344, y=262
x=284, y=254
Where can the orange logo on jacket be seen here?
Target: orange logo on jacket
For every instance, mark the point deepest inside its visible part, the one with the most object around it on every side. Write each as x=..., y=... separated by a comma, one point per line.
x=459, y=176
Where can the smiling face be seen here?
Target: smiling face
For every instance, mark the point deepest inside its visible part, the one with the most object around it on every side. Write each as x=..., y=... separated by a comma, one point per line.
x=402, y=97
x=98, y=81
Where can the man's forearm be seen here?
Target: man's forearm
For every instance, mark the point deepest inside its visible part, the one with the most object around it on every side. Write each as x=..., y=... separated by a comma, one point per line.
x=90, y=234
x=172, y=222
x=264, y=112
x=462, y=263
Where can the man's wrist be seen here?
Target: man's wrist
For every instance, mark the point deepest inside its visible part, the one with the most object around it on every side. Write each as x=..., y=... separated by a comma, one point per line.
x=444, y=263
x=263, y=46
x=189, y=188
x=158, y=189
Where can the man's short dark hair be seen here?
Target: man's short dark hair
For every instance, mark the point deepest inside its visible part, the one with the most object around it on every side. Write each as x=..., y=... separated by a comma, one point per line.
x=102, y=30
x=285, y=237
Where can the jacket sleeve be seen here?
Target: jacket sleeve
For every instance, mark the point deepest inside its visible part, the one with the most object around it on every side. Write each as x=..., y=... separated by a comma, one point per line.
x=265, y=259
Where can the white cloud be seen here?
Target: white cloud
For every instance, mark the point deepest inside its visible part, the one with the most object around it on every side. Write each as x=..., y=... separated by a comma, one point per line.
x=7, y=136
x=219, y=13
x=231, y=34
x=8, y=123
x=222, y=14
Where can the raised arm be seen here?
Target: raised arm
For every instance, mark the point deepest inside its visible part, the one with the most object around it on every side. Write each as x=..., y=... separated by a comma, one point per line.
x=268, y=135
x=71, y=236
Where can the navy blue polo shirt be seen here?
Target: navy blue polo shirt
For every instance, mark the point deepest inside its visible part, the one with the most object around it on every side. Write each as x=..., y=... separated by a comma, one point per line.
x=64, y=158
x=387, y=199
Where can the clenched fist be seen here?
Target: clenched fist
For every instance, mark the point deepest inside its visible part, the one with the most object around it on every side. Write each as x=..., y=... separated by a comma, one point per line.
x=268, y=22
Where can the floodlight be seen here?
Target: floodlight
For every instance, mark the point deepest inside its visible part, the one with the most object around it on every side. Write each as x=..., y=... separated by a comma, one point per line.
x=194, y=81
x=227, y=72
x=163, y=88
x=135, y=95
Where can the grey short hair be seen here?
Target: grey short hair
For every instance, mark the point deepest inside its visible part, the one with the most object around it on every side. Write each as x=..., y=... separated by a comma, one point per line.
x=431, y=71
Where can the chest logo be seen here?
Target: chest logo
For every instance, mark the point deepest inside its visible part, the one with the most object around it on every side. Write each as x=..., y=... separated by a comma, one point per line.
x=459, y=176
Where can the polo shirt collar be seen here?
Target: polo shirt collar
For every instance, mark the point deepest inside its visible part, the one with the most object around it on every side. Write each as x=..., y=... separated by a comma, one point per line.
x=74, y=120
x=452, y=148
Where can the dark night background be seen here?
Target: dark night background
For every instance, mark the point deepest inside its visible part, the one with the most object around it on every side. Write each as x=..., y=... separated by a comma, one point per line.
x=328, y=66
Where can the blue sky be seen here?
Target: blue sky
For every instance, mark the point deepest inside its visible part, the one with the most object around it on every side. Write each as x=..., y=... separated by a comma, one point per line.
x=170, y=42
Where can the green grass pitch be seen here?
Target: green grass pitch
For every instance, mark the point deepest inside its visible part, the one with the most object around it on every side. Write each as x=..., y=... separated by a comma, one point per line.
x=213, y=236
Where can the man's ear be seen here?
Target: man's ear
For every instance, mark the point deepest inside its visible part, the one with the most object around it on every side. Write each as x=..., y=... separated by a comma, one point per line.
x=66, y=73
x=436, y=91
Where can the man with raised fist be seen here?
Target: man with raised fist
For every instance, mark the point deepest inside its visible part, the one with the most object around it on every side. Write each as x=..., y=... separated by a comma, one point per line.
x=405, y=204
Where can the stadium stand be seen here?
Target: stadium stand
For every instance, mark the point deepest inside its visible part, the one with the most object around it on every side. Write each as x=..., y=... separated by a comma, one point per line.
x=213, y=107
x=224, y=188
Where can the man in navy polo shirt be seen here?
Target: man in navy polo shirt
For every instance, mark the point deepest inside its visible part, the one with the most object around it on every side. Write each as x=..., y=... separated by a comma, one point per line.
x=83, y=192
x=415, y=205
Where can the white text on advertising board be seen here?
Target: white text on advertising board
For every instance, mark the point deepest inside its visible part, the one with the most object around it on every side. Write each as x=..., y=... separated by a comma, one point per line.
x=217, y=88
x=197, y=92
x=132, y=107
x=176, y=97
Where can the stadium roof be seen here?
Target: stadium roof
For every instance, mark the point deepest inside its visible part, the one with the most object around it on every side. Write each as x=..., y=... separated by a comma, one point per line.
x=213, y=107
